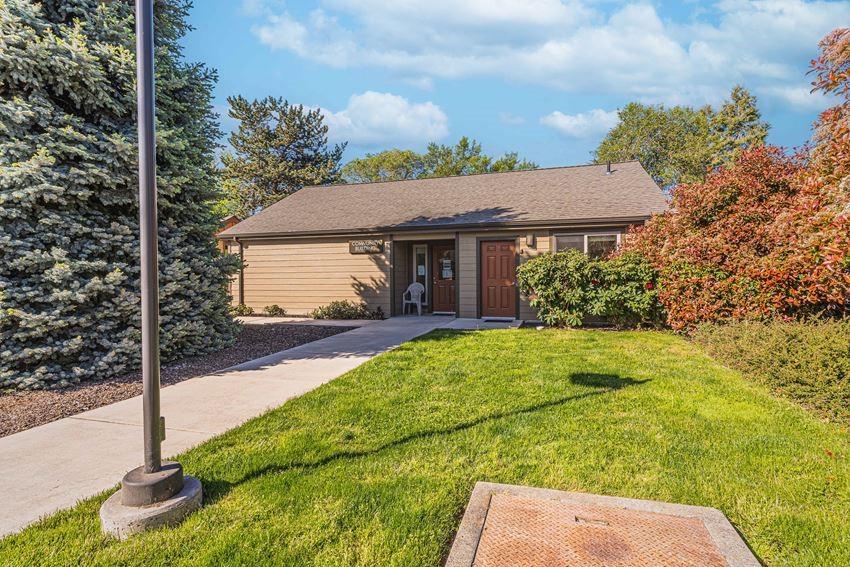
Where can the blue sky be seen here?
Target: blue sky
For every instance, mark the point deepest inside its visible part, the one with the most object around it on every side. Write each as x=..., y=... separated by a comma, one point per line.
x=540, y=77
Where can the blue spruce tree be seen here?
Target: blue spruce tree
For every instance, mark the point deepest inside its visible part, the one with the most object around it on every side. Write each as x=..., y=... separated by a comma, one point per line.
x=69, y=276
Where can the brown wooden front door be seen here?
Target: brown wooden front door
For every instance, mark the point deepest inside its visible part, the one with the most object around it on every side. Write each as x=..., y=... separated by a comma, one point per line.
x=498, y=278
x=445, y=275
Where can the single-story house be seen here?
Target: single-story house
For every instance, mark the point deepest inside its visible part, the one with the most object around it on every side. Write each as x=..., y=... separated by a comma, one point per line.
x=462, y=237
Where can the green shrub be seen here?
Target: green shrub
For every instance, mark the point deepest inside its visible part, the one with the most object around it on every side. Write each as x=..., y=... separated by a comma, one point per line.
x=346, y=310
x=241, y=310
x=274, y=310
x=808, y=362
x=568, y=287
x=558, y=286
x=628, y=292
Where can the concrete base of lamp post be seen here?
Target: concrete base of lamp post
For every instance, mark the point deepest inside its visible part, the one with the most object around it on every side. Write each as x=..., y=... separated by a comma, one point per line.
x=122, y=521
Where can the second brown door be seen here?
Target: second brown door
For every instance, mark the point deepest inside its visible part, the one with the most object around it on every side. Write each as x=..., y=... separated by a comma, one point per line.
x=498, y=278
x=444, y=288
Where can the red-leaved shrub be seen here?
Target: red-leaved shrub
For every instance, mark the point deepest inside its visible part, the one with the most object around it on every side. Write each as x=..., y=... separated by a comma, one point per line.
x=768, y=235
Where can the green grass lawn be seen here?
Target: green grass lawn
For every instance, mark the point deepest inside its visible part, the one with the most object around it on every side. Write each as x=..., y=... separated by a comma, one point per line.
x=375, y=468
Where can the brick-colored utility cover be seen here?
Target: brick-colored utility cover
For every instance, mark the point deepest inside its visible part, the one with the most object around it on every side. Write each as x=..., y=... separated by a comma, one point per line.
x=507, y=525
x=532, y=531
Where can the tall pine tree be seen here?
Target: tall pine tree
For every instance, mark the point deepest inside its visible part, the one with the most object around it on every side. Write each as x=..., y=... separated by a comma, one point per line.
x=278, y=148
x=736, y=127
x=69, y=275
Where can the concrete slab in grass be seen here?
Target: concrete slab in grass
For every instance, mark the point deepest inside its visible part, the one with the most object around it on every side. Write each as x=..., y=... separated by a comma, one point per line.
x=506, y=525
x=465, y=324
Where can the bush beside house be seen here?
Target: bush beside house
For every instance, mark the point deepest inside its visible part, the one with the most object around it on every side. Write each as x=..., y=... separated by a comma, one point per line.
x=241, y=310
x=569, y=287
x=69, y=264
x=274, y=311
x=345, y=309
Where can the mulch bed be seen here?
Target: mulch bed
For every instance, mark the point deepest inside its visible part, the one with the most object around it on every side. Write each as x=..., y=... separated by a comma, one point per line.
x=23, y=410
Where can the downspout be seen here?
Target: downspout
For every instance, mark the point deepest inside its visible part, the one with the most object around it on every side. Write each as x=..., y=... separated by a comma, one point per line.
x=391, y=258
x=457, y=274
x=241, y=272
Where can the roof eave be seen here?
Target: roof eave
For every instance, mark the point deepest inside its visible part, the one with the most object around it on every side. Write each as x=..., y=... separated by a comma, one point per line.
x=434, y=228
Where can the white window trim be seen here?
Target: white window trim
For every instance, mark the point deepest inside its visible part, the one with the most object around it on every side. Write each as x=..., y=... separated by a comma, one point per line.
x=427, y=268
x=585, y=235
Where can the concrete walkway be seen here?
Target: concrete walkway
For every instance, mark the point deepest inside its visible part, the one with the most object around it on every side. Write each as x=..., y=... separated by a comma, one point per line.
x=50, y=467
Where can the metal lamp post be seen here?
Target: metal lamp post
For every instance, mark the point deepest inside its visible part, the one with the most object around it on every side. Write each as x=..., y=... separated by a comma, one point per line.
x=148, y=234
x=155, y=493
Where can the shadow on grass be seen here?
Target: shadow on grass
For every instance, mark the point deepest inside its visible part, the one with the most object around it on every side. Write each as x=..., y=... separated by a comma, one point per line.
x=215, y=489
x=606, y=381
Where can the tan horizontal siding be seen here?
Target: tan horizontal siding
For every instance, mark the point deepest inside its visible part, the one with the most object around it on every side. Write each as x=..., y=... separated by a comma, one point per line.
x=467, y=277
x=527, y=252
x=302, y=274
x=307, y=272
x=259, y=254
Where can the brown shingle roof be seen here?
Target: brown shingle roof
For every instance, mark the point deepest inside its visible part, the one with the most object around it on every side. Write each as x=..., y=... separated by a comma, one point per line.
x=494, y=199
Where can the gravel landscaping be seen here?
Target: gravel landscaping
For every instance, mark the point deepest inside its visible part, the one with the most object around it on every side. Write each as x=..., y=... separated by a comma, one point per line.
x=23, y=410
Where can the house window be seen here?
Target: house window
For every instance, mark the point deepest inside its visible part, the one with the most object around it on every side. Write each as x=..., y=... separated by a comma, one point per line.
x=599, y=245
x=569, y=242
x=594, y=245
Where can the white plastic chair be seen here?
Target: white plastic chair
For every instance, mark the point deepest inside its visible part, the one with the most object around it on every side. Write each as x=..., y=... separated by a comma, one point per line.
x=413, y=296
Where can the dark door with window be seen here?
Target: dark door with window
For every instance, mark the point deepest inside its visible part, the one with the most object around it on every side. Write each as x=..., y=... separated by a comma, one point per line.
x=443, y=268
x=498, y=278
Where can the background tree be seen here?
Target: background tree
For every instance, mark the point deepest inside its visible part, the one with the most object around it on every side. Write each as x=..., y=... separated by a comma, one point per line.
x=511, y=162
x=389, y=165
x=466, y=157
x=736, y=127
x=69, y=264
x=278, y=148
x=664, y=140
x=681, y=144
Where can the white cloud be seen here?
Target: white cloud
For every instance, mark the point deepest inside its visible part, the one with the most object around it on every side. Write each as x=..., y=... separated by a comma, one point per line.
x=583, y=125
x=283, y=32
x=373, y=118
x=568, y=44
x=802, y=98
x=336, y=46
x=511, y=119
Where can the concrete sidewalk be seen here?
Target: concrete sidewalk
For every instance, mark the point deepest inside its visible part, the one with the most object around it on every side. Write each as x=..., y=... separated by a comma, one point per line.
x=52, y=466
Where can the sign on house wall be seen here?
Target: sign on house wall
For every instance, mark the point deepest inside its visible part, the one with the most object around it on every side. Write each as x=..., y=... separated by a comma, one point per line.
x=365, y=246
